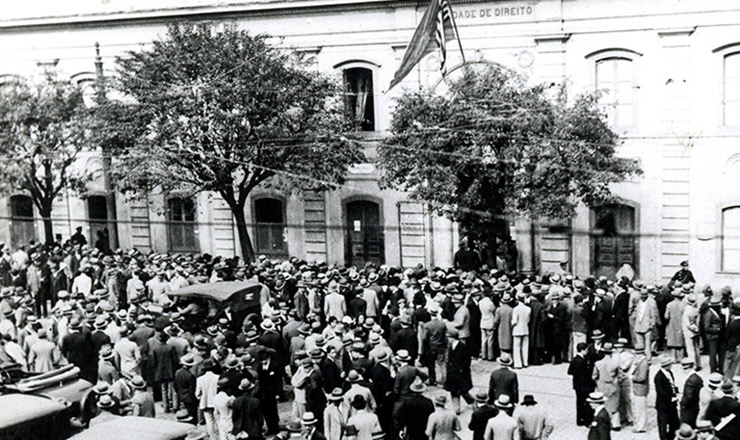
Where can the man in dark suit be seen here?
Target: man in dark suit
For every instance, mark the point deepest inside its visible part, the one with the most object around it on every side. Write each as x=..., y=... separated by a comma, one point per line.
x=690, y=398
x=185, y=386
x=382, y=388
x=503, y=381
x=720, y=408
x=666, y=396
x=412, y=415
x=78, y=349
x=481, y=414
x=459, y=380
x=583, y=384
x=406, y=338
x=601, y=426
x=330, y=371
x=271, y=385
x=247, y=412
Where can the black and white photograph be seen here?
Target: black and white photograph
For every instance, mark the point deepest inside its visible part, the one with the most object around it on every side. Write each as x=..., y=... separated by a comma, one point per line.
x=370, y=220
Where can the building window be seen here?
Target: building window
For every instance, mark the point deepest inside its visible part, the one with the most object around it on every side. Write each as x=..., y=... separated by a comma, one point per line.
x=615, y=79
x=359, y=102
x=23, y=229
x=731, y=239
x=181, y=225
x=731, y=89
x=270, y=225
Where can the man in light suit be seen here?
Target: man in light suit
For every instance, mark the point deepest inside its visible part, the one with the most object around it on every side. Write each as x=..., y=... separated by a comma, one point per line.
x=640, y=389
x=606, y=375
x=487, y=309
x=334, y=303
x=646, y=318
x=520, y=331
x=502, y=426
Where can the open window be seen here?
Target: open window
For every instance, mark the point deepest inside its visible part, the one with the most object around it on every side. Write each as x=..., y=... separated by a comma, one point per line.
x=359, y=102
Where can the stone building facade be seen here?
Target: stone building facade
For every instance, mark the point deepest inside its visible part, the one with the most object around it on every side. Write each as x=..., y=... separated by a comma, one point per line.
x=669, y=69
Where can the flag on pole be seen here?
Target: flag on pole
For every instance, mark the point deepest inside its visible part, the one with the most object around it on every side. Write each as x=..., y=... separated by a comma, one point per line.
x=437, y=26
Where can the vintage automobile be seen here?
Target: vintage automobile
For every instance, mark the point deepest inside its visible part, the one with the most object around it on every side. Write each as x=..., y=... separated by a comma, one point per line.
x=135, y=428
x=41, y=405
x=209, y=301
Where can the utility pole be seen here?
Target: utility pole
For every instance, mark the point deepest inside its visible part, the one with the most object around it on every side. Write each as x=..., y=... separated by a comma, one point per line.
x=110, y=196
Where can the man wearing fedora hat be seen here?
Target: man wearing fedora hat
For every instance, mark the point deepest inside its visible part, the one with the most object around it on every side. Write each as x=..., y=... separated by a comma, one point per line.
x=247, y=412
x=502, y=426
x=666, y=398
x=583, y=383
x=363, y=418
x=674, y=327
x=533, y=421
x=503, y=380
x=310, y=428
x=433, y=347
x=383, y=383
x=333, y=416
x=459, y=379
x=719, y=409
x=645, y=318
x=142, y=401
x=185, y=385
x=356, y=386
x=106, y=405
x=709, y=392
x=442, y=423
x=481, y=414
x=412, y=415
x=693, y=384
x=600, y=428
x=713, y=326
x=640, y=389
x=79, y=350
x=606, y=375
x=502, y=322
x=690, y=329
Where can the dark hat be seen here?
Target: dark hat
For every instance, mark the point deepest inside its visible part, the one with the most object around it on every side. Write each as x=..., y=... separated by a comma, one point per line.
x=529, y=400
x=481, y=396
x=728, y=388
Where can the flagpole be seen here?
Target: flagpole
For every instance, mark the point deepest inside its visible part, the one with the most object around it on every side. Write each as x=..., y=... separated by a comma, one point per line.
x=457, y=35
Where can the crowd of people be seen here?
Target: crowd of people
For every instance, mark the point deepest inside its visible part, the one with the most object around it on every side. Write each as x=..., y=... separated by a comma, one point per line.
x=356, y=350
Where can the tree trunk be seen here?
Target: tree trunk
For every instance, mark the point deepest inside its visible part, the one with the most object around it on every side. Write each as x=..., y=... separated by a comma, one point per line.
x=241, y=228
x=48, y=226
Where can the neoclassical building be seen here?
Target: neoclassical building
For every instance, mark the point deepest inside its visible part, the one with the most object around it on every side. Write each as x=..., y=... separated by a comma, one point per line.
x=669, y=70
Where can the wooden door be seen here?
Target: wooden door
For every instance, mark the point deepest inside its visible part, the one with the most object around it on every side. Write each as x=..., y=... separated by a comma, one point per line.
x=364, y=236
x=613, y=240
x=97, y=212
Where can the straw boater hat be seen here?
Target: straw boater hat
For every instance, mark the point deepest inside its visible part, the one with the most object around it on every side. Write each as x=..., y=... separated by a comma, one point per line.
x=188, y=360
x=596, y=397
x=308, y=419
x=685, y=432
x=403, y=355
x=440, y=400
x=666, y=362
x=481, y=396
x=503, y=402
x=246, y=385
x=505, y=360
x=715, y=381
x=138, y=382
x=105, y=402
x=353, y=377
x=336, y=395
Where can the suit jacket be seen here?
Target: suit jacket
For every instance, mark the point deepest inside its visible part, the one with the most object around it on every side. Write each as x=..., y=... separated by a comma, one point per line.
x=185, y=385
x=404, y=378
x=479, y=420
x=435, y=335
x=247, y=416
x=503, y=381
x=413, y=414
x=205, y=390
x=331, y=374
x=459, y=380
x=641, y=377
x=691, y=389
x=520, y=317
x=581, y=371
x=462, y=322
x=382, y=384
x=601, y=426
x=649, y=319
x=502, y=426
x=79, y=350
x=665, y=391
x=406, y=339
x=442, y=425
x=712, y=323
x=502, y=321
x=721, y=408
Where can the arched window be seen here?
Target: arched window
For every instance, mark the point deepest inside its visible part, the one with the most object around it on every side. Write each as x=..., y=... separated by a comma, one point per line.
x=181, y=225
x=359, y=100
x=23, y=229
x=731, y=89
x=270, y=226
x=615, y=78
x=731, y=239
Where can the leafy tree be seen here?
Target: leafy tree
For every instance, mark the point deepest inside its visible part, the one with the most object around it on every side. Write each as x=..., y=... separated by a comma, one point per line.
x=494, y=147
x=43, y=128
x=223, y=111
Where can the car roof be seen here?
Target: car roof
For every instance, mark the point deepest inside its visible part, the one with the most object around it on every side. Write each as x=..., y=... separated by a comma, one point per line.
x=135, y=428
x=18, y=408
x=220, y=291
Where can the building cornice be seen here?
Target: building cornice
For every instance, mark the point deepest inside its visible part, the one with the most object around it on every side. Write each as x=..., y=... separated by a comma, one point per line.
x=209, y=13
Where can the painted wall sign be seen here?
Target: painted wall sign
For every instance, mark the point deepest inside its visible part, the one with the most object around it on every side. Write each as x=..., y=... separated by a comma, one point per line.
x=493, y=12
